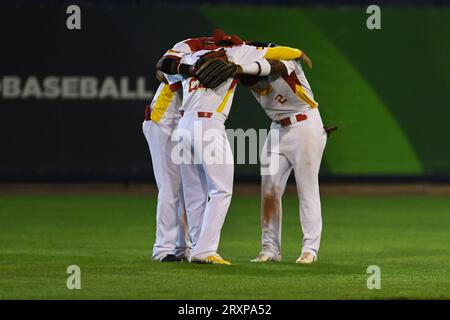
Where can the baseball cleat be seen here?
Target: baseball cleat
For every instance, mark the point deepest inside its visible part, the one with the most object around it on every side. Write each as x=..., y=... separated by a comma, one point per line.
x=212, y=259
x=306, y=258
x=170, y=258
x=264, y=258
x=166, y=258
x=184, y=256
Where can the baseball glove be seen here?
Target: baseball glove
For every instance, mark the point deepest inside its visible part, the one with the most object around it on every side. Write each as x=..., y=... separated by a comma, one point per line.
x=213, y=68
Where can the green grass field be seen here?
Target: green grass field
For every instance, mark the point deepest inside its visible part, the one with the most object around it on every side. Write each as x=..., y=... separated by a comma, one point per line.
x=110, y=238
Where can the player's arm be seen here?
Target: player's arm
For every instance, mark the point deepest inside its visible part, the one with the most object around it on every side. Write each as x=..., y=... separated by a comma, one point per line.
x=283, y=53
x=266, y=67
x=173, y=81
x=175, y=65
x=169, y=63
x=269, y=61
x=161, y=77
x=190, y=65
x=287, y=53
x=278, y=68
x=262, y=68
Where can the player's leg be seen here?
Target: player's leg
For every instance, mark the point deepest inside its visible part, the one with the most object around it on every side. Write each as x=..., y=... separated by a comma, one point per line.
x=195, y=190
x=219, y=170
x=311, y=140
x=183, y=245
x=168, y=180
x=273, y=184
x=195, y=197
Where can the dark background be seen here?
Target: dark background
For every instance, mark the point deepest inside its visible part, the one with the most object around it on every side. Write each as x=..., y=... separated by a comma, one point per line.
x=81, y=139
x=101, y=139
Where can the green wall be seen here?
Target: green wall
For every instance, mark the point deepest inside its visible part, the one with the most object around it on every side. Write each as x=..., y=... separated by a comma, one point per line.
x=387, y=90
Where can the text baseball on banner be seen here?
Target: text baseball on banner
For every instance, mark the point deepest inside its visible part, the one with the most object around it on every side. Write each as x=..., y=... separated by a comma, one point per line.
x=74, y=87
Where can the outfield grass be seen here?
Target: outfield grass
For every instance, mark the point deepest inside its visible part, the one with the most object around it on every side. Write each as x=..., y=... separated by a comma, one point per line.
x=110, y=238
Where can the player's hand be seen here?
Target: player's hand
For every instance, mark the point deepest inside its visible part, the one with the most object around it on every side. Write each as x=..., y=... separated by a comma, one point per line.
x=307, y=60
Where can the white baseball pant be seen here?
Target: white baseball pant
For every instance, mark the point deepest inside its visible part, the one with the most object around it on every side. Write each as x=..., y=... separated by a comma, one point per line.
x=207, y=179
x=171, y=230
x=300, y=147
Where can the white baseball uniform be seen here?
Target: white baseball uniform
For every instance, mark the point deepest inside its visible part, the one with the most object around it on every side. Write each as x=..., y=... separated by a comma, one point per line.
x=208, y=109
x=172, y=234
x=300, y=146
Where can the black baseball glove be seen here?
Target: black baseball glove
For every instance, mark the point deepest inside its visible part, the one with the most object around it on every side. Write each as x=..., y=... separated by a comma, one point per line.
x=213, y=68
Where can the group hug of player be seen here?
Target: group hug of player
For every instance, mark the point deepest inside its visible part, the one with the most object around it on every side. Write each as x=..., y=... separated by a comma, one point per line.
x=198, y=79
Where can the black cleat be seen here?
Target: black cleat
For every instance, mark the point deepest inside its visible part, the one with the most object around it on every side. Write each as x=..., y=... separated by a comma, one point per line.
x=171, y=258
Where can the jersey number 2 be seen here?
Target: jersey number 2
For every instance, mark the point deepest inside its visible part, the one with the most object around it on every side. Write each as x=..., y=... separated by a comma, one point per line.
x=280, y=99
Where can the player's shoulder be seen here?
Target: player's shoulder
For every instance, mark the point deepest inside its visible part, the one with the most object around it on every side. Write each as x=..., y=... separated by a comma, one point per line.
x=180, y=49
x=194, y=44
x=244, y=53
x=245, y=49
x=241, y=47
x=192, y=57
x=239, y=50
x=182, y=46
x=189, y=45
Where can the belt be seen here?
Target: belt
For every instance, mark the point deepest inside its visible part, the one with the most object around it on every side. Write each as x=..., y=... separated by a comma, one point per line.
x=200, y=114
x=288, y=121
x=148, y=113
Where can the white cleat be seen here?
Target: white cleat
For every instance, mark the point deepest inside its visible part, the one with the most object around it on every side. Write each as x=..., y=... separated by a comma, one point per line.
x=264, y=258
x=306, y=258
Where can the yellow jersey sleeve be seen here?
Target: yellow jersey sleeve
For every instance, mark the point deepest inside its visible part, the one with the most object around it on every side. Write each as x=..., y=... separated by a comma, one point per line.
x=283, y=53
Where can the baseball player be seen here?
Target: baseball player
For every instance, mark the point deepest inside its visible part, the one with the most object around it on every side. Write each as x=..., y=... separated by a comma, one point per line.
x=172, y=242
x=288, y=100
x=206, y=106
